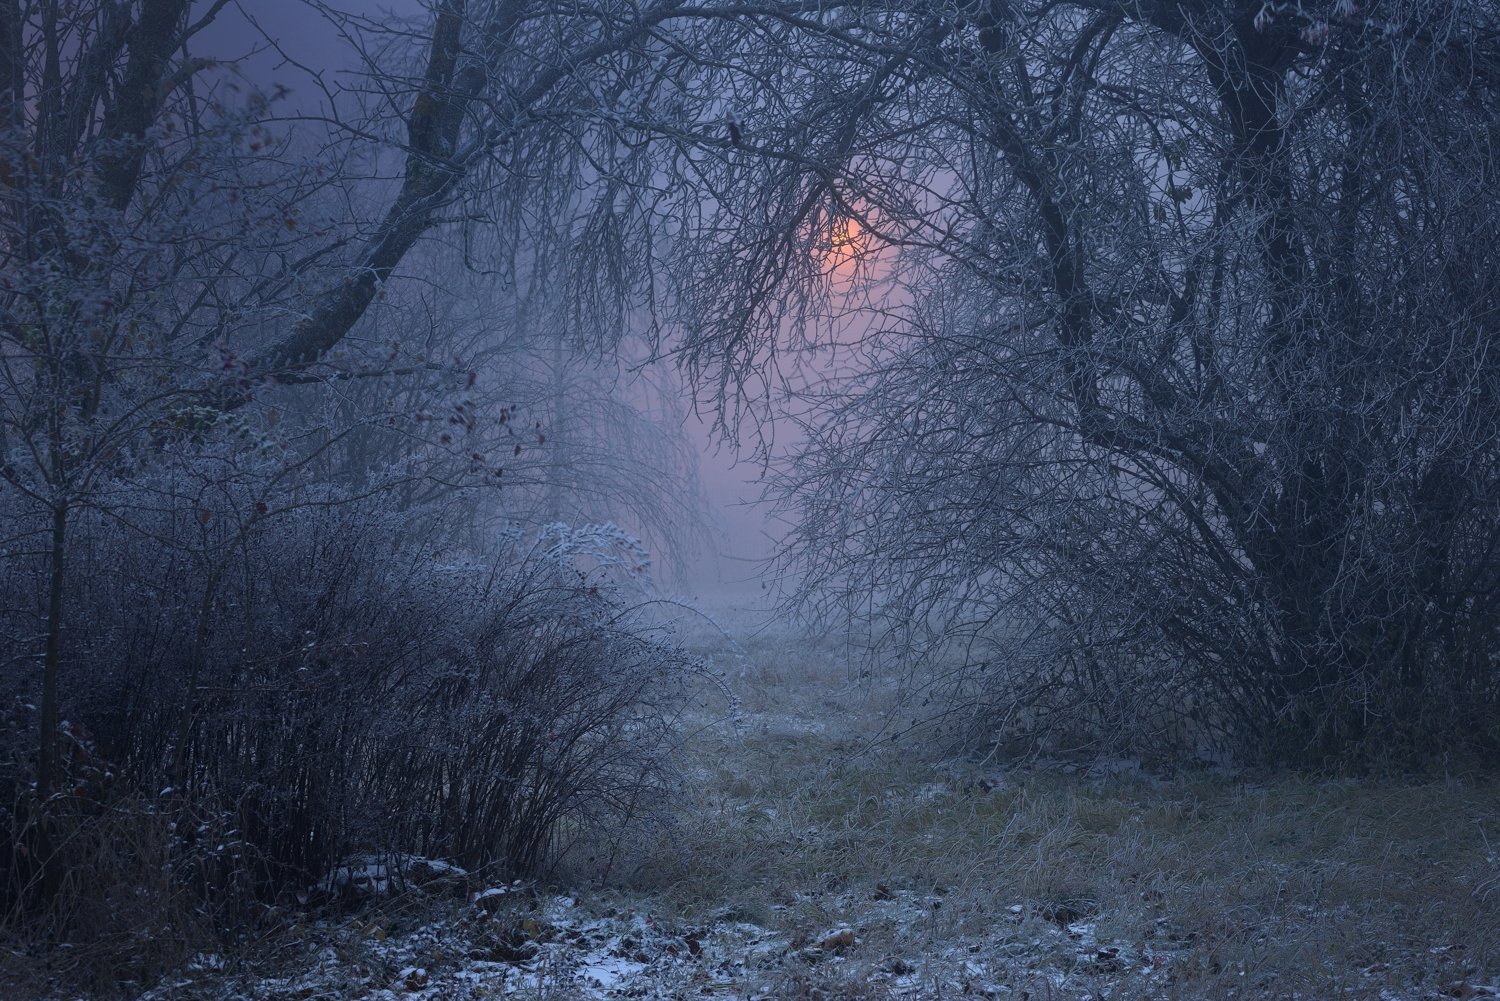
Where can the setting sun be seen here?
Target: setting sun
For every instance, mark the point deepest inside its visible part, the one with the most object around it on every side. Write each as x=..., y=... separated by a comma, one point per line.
x=848, y=241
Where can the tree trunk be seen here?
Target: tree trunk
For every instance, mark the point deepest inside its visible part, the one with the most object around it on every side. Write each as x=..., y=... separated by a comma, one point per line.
x=46, y=772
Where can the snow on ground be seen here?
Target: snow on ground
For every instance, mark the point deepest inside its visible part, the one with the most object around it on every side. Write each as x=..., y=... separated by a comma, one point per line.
x=556, y=946
x=807, y=864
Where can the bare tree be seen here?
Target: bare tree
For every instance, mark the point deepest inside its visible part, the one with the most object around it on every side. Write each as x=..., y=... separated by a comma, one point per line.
x=1185, y=410
x=171, y=248
x=176, y=255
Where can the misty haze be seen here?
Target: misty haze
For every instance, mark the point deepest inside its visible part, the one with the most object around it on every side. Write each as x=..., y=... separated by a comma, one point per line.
x=773, y=499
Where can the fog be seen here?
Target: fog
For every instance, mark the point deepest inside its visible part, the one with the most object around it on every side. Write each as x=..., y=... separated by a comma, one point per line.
x=1074, y=427
x=305, y=49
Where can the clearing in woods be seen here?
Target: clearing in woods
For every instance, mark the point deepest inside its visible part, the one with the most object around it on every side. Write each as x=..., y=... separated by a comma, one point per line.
x=813, y=857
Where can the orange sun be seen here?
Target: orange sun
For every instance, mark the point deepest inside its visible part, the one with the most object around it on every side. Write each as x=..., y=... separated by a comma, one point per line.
x=848, y=241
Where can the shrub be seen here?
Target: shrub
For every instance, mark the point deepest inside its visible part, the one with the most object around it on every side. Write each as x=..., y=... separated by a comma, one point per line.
x=257, y=698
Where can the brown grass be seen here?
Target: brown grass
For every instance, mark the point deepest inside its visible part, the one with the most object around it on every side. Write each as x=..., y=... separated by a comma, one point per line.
x=878, y=869
x=807, y=818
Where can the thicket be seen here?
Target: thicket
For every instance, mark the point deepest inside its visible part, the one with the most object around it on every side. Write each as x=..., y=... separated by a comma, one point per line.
x=255, y=693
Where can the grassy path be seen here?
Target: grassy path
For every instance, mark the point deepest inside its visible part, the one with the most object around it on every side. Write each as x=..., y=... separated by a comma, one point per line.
x=811, y=858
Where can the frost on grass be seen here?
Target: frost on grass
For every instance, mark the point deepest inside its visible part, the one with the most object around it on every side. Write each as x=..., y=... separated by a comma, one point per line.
x=557, y=946
x=807, y=862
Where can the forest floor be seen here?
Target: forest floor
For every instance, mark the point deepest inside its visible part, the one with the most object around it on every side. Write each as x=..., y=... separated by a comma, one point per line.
x=810, y=860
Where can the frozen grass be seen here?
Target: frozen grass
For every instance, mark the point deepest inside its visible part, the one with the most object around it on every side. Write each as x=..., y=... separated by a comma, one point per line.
x=816, y=858
x=808, y=819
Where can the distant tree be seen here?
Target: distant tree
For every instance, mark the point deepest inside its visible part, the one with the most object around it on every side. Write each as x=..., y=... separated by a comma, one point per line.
x=526, y=401
x=604, y=434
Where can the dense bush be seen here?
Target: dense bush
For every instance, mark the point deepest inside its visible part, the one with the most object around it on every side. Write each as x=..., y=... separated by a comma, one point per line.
x=252, y=698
